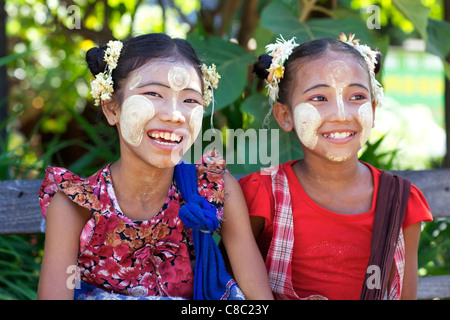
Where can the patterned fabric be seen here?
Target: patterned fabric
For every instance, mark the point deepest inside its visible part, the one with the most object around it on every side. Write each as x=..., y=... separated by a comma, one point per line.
x=85, y=291
x=138, y=258
x=279, y=256
x=399, y=259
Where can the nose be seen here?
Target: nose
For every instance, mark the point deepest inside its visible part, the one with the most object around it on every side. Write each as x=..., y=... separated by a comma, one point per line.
x=173, y=113
x=340, y=111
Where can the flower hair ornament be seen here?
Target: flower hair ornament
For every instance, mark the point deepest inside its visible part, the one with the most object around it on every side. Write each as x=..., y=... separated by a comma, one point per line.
x=102, y=85
x=369, y=56
x=210, y=82
x=280, y=52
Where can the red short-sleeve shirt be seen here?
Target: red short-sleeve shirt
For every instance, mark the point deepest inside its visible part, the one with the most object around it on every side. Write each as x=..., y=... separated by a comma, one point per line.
x=331, y=250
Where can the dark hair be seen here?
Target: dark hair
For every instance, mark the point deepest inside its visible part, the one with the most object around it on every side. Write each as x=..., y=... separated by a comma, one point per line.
x=307, y=50
x=137, y=51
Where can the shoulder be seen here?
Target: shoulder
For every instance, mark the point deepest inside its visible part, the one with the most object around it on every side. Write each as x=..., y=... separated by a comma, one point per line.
x=417, y=208
x=78, y=190
x=257, y=190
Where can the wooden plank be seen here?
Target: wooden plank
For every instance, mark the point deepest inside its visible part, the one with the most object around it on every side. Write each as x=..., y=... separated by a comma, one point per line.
x=20, y=211
x=435, y=185
x=433, y=287
x=19, y=207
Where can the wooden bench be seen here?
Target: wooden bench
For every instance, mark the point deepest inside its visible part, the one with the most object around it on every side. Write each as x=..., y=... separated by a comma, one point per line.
x=20, y=214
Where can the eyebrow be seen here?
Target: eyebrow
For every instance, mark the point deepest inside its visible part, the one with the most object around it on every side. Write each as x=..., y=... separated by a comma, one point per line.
x=153, y=83
x=320, y=85
x=315, y=87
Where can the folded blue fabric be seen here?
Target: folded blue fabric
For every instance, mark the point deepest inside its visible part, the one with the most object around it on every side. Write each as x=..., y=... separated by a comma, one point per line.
x=211, y=279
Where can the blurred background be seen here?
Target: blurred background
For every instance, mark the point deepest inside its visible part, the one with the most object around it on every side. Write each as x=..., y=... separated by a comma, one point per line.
x=47, y=115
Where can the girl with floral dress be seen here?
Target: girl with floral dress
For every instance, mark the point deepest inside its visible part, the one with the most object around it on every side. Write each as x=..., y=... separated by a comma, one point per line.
x=330, y=226
x=141, y=227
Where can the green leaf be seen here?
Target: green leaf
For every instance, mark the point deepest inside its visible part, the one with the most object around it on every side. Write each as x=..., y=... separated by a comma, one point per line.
x=232, y=62
x=282, y=21
x=416, y=12
x=8, y=59
x=257, y=106
x=438, y=34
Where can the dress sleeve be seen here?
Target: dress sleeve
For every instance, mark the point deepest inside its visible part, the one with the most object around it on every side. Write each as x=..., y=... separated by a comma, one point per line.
x=257, y=191
x=417, y=208
x=210, y=170
x=77, y=189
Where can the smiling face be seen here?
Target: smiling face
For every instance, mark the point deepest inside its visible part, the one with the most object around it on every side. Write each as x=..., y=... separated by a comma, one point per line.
x=161, y=113
x=331, y=108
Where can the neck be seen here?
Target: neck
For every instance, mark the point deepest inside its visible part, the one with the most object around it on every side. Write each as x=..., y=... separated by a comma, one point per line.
x=140, y=182
x=329, y=173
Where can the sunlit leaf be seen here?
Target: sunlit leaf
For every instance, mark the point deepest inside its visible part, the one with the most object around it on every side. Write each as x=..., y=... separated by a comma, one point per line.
x=416, y=13
x=282, y=21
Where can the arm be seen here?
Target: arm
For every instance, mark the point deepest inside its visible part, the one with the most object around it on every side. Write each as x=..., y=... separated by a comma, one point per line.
x=243, y=253
x=64, y=223
x=409, y=289
x=411, y=235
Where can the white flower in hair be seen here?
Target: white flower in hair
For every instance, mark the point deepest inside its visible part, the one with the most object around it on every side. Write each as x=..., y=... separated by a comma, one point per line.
x=102, y=85
x=210, y=82
x=369, y=56
x=280, y=52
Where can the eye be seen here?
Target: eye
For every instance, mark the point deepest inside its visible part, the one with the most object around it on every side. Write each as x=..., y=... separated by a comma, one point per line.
x=318, y=98
x=153, y=94
x=191, y=101
x=358, y=97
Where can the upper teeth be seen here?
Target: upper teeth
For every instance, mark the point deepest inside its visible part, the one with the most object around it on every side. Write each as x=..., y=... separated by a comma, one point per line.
x=166, y=136
x=338, y=135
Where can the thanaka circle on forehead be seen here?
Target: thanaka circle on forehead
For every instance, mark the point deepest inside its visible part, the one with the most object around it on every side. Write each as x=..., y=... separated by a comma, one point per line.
x=178, y=78
x=136, y=112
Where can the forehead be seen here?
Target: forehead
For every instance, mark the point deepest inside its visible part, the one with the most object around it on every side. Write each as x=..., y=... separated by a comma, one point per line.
x=159, y=69
x=331, y=68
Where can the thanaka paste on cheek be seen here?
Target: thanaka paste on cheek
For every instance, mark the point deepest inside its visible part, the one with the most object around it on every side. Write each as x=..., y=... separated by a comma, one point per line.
x=195, y=122
x=307, y=121
x=136, y=112
x=365, y=115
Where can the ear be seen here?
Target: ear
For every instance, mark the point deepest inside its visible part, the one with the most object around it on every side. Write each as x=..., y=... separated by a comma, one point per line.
x=111, y=112
x=282, y=114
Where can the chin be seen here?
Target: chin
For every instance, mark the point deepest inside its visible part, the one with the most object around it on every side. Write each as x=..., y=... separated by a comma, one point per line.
x=339, y=157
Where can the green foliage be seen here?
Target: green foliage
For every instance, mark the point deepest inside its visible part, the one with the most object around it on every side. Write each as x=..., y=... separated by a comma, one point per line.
x=20, y=259
x=379, y=159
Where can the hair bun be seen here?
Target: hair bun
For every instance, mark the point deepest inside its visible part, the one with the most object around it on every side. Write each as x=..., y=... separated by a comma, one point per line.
x=94, y=59
x=260, y=67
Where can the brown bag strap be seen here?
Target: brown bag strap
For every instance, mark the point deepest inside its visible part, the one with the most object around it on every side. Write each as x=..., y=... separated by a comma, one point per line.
x=393, y=194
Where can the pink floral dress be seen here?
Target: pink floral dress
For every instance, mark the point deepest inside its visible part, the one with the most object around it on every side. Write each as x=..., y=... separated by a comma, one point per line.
x=137, y=258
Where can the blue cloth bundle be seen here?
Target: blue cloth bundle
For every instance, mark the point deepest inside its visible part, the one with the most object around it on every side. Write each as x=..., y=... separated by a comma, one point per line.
x=211, y=279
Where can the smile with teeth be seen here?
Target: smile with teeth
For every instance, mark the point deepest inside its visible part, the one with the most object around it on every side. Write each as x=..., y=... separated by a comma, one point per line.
x=165, y=138
x=338, y=135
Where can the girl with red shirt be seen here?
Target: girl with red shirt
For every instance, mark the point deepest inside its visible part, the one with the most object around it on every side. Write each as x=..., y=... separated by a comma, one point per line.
x=313, y=218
